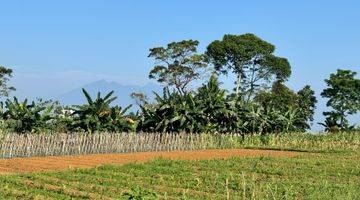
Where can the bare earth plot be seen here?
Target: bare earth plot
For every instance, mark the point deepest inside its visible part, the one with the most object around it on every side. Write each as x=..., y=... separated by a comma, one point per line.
x=37, y=164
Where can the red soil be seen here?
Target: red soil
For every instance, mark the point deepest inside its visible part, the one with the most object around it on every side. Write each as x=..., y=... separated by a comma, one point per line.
x=37, y=164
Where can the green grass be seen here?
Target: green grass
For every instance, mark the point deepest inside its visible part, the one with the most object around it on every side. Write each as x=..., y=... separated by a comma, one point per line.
x=334, y=175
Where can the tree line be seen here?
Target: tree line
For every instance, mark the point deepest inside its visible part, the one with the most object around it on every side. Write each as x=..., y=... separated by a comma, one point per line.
x=259, y=103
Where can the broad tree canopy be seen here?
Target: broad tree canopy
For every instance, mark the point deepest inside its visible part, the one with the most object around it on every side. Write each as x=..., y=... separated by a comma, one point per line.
x=178, y=64
x=251, y=59
x=343, y=92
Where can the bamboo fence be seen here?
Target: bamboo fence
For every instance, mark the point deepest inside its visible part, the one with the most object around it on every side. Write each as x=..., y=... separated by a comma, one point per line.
x=59, y=144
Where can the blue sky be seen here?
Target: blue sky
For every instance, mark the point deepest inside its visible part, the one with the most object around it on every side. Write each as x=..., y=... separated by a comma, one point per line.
x=57, y=46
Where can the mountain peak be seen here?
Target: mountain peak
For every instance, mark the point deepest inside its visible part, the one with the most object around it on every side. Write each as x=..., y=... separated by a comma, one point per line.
x=123, y=92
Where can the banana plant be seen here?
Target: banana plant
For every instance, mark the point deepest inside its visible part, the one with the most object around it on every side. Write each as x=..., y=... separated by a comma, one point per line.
x=218, y=113
x=332, y=123
x=98, y=115
x=172, y=112
x=21, y=117
x=206, y=111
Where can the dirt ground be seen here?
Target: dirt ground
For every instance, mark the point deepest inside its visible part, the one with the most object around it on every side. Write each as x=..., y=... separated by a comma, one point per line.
x=37, y=164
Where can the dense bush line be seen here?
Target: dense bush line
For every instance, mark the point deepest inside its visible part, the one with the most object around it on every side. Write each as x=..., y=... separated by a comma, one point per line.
x=48, y=116
x=210, y=109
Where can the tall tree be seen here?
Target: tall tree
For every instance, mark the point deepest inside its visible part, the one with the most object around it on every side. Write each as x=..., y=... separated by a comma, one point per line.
x=177, y=64
x=306, y=102
x=300, y=106
x=343, y=92
x=251, y=59
x=5, y=75
x=280, y=97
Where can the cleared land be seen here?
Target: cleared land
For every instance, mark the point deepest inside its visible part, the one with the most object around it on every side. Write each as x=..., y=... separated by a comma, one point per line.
x=36, y=164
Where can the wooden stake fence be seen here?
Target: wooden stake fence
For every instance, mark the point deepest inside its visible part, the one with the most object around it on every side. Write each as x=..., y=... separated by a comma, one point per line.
x=57, y=144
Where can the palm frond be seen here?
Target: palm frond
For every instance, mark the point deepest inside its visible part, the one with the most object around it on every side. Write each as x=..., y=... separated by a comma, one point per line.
x=87, y=96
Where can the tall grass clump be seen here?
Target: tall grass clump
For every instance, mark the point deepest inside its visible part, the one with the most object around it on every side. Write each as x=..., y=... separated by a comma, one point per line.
x=305, y=141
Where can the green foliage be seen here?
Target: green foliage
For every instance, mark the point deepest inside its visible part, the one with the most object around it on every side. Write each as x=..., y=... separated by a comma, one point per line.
x=211, y=110
x=139, y=193
x=343, y=92
x=21, y=117
x=306, y=102
x=172, y=112
x=280, y=96
x=5, y=75
x=331, y=123
x=49, y=116
x=208, y=110
x=178, y=64
x=218, y=114
x=98, y=115
x=251, y=59
x=289, y=111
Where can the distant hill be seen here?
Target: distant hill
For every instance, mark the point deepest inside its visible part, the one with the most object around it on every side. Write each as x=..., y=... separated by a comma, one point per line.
x=123, y=92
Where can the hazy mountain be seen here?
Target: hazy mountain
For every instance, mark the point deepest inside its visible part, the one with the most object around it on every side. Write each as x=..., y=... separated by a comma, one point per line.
x=123, y=92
